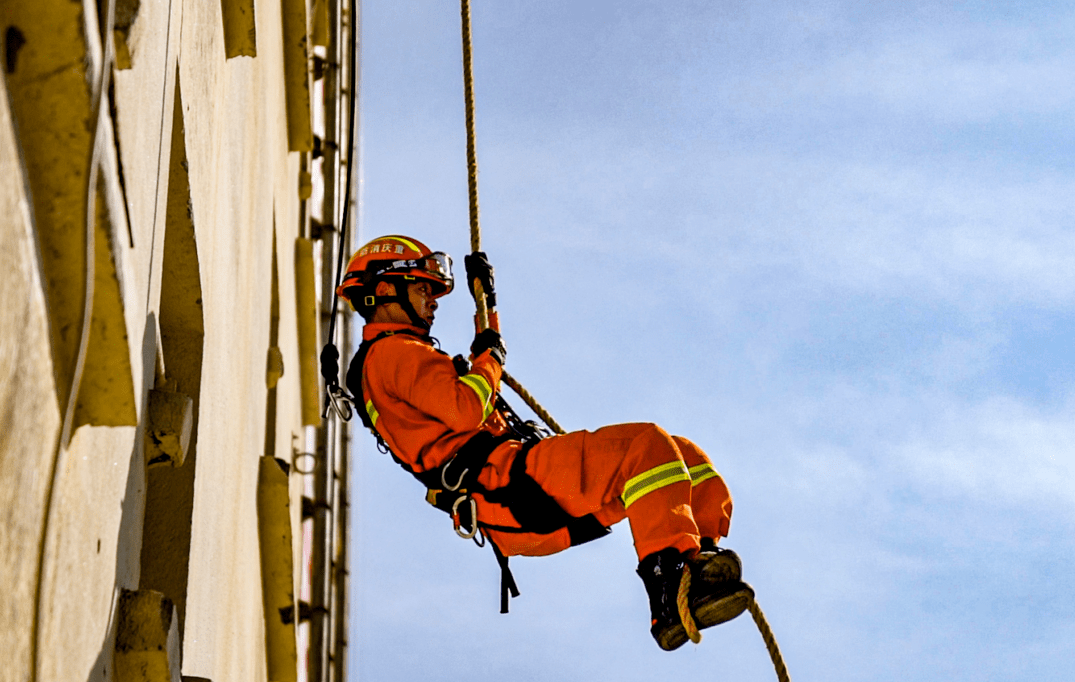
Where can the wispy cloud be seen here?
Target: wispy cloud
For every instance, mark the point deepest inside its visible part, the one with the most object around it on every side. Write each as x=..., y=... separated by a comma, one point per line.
x=1000, y=453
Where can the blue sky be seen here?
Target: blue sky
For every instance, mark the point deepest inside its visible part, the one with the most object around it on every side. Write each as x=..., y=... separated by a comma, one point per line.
x=828, y=241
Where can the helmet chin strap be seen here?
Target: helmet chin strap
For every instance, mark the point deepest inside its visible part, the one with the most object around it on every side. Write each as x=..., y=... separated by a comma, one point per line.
x=404, y=301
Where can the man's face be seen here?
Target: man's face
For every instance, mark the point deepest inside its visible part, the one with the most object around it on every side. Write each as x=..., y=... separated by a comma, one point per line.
x=421, y=296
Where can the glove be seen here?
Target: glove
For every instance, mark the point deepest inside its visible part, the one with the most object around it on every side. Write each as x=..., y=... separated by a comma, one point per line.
x=489, y=340
x=478, y=268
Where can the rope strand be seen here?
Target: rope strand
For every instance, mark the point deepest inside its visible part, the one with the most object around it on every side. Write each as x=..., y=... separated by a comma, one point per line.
x=472, y=155
x=532, y=403
x=684, y=608
x=770, y=641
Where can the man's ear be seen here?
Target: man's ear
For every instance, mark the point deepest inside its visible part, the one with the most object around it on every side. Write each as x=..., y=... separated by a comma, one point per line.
x=385, y=289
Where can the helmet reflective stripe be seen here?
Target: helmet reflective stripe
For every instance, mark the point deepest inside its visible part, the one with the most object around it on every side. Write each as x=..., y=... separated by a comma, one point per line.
x=372, y=412
x=702, y=472
x=656, y=478
x=406, y=242
x=479, y=385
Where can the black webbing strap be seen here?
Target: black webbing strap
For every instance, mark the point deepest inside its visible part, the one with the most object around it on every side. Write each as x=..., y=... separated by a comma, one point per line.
x=508, y=587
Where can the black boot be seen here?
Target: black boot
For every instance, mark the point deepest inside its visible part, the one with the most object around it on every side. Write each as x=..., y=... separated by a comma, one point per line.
x=661, y=573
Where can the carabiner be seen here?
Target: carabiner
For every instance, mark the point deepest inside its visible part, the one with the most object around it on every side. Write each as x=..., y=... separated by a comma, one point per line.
x=468, y=534
x=341, y=403
x=444, y=481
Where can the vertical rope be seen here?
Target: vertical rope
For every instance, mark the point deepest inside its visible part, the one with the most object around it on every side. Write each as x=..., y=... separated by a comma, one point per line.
x=483, y=319
x=482, y=314
x=472, y=156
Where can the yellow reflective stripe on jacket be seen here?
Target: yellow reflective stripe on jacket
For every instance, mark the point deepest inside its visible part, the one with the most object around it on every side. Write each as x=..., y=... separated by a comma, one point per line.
x=479, y=385
x=702, y=472
x=372, y=412
x=654, y=479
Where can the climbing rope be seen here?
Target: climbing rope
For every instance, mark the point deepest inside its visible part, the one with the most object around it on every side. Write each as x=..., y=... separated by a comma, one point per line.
x=483, y=320
x=532, y=403
x=683, y=606
x=475, y=224
x=770, y=641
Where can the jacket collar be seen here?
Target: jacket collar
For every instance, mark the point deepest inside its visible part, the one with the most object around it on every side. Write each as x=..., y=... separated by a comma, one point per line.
x=372, y=329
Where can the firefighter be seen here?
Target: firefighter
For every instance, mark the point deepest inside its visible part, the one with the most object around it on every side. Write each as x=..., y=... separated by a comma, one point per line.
x=443, y=421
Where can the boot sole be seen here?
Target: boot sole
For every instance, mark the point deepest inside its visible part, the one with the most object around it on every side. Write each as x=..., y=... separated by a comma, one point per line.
x=716, y=609
x=708, y=611
x=672, y=638
x=715, y=568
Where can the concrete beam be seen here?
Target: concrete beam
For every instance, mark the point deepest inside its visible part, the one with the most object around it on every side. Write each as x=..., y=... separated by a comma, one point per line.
x=300, y=136
x=274, y=366
x=126, y=15
x=240, y=28
x=306, y=314
x=319, y=27
x=277, y=573
x=170, y=421
x=147, y=638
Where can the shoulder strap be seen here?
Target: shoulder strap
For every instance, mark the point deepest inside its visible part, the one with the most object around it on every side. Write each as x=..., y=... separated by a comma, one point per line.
x=354, y=384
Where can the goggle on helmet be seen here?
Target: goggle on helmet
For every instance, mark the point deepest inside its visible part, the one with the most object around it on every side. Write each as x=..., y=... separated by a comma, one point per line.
x=395, y=256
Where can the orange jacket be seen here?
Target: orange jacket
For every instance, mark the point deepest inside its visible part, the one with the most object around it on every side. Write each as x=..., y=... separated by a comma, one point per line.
x=418, y=403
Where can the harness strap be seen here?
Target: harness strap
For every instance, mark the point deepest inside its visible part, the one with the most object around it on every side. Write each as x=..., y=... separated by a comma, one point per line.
x=507, y=580
x=534, y=509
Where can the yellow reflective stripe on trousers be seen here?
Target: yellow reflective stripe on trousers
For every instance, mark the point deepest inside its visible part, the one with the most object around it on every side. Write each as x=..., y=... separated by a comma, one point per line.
x=372, y=412
x=654, y=479
x=702, y=472
x=479, y=385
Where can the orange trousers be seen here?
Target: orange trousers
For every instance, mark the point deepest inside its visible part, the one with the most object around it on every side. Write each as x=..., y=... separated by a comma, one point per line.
x=664, y=485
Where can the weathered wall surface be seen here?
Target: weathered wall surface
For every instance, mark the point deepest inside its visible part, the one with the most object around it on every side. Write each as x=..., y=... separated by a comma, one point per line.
x=197, y=213
x=29, y=414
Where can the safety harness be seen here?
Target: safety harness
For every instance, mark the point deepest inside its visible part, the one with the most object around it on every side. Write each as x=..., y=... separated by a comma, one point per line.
x=450, y=486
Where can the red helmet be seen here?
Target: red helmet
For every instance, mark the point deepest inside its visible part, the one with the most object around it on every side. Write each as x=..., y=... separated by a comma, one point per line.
x=394, y=256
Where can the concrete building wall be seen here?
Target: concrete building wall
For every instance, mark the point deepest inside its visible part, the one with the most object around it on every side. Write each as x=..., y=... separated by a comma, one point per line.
x=198, y=212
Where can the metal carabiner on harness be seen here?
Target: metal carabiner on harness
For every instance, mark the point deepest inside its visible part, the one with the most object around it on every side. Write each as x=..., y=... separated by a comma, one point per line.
x=444, y=474
x=341, y=402
x=465, y=534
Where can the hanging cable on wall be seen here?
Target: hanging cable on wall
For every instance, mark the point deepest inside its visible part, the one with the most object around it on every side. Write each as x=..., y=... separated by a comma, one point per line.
x=335, y=396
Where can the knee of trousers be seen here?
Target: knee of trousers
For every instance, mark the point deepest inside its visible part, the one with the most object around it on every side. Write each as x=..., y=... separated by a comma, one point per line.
x=653, y=445
x=657, y=467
